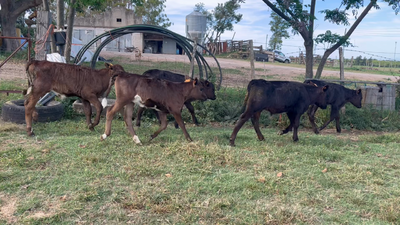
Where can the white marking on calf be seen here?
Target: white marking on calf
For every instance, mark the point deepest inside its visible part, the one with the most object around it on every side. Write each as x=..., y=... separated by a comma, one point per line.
x=103, y=137
x=138, y=100
x=29, y=90
x=136, y=139
x=104, y=102
x=60, y=95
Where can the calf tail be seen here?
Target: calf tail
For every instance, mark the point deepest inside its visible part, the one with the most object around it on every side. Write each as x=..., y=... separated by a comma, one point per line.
x=246, y=98
x=30, y=77
x=107, y=92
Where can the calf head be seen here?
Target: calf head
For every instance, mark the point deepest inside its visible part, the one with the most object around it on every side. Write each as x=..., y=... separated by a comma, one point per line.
x=209, y=89
x=356, y=98
x=198, y=90
x=320, y=98
x=114, y=68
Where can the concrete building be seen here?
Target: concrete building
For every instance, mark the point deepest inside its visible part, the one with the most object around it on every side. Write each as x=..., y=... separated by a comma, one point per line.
x=86, y=28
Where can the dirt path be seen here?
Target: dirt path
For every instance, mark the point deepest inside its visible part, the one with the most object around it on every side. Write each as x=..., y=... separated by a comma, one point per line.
x=278, y=71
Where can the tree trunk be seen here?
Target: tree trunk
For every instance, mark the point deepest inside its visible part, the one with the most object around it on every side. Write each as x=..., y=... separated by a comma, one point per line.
x=71, y=15
x=60, y=14
x=309, y=44
x=10, y=10
x=52, y=39
x=60, y=21
x=8, y=29
x=321, y=65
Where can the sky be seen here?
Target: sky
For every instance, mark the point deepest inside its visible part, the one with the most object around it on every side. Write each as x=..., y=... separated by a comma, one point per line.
x=376, y=36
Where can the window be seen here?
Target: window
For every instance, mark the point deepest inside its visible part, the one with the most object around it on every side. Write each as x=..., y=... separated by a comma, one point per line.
x=119, y=20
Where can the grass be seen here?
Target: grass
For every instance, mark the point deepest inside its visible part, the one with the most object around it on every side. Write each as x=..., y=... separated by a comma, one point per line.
x=67, y=175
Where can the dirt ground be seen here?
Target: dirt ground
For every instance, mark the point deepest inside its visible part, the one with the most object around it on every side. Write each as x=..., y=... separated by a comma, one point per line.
x=271, y=71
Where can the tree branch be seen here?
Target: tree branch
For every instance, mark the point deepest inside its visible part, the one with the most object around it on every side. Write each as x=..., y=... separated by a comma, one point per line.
x=354, y=26
x=292, y=20
x=21, y=6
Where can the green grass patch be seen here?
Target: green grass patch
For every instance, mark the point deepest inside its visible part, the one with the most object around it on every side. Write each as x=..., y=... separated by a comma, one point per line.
x=66, y=175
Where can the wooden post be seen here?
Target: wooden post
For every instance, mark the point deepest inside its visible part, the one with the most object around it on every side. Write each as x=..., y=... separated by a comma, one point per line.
x=341, y=65
x=251, y=58
x=42, y=25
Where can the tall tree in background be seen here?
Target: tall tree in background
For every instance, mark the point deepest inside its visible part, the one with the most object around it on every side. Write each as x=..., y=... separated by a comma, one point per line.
x=302, y=20
x=279, y=30
x=222, y=19
x=9, y=13
x=152, y=12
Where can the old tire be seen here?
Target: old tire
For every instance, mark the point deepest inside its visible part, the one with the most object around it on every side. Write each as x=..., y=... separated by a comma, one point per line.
x=14, y=111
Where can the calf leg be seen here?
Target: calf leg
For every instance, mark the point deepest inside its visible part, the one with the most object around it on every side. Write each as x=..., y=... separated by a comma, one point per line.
x=243, y=118
x=311, y=116
x=29, y=111
x=163, y=119
x=334, y=115
x=255, y=119
x=87, y=108
x=190, y=107
x=179, y=120
x=139, y=116
x=291, y=117
x=128, y=122
x=99, y=108
x=296, y=124
x=110, y=116
x=30, y=103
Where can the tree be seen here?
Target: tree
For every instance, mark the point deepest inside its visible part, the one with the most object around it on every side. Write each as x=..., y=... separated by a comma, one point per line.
x=9, y=13
x=279, y=30
x=151, y=12
x=357, y=61
x=222, y=19
x=294, y=12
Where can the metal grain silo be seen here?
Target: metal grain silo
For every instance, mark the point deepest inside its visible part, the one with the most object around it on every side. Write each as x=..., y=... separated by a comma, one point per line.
x=196, y=26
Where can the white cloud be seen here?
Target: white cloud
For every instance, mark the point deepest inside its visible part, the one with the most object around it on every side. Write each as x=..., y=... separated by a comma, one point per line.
x=376, y=33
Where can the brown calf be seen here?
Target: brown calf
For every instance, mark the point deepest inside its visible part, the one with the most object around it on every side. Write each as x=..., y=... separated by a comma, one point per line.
x=209, y=90
x=69, y=80
x=164, y=96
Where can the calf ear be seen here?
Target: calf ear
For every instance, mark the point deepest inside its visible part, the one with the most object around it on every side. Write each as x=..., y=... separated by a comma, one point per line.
x=325, y=88
x=359, y=91
x=195, y=81
x=312, y=83
x=108, y=65
x=207, y=83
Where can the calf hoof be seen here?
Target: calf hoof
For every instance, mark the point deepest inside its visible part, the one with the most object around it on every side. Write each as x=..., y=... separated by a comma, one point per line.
x=316, y=131
x=91, y=127
x=232, y=143
x=137, y=124
x=295, y=139
x=29, y=132
x=281, y=132
x=339, y=131
x=103, y=137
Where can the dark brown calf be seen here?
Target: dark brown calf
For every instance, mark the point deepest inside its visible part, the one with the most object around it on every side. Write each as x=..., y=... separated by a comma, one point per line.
x=337, y=96
x=69, y=80
x=164, y=96
x=293, y=98
x=209, y=90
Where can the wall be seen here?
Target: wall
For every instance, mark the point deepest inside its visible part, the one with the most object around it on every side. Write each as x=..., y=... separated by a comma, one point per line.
x=86, y=28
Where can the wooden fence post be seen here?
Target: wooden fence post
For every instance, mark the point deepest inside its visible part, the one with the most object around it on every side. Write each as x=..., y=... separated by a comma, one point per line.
x=251, y=58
